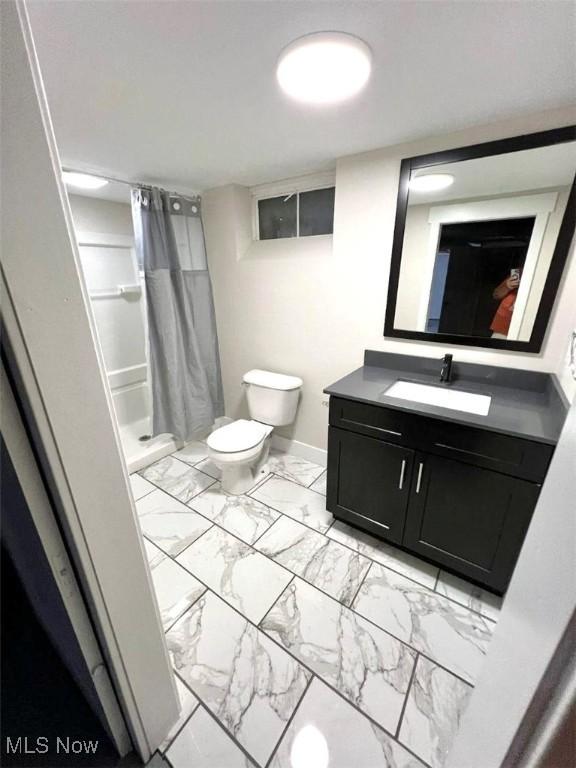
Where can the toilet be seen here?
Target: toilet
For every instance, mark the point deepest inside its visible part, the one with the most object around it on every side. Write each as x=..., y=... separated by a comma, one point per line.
x=240, y=449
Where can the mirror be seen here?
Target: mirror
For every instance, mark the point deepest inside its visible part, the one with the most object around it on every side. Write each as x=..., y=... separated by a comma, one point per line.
x=481, y=239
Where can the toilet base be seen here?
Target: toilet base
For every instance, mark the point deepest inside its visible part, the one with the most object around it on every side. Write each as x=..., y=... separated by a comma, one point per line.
x=237, y=479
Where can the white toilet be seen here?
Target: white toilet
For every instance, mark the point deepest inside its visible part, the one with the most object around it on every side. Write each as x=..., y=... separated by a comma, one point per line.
x=240, y=449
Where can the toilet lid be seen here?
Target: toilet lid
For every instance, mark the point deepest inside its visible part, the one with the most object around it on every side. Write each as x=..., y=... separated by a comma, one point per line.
x=238, y=436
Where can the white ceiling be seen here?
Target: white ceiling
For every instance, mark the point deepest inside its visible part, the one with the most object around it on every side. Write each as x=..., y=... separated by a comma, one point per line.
x=184, y=93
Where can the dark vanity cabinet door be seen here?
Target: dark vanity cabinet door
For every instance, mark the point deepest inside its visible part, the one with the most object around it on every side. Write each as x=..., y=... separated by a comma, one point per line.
x=470, y=519
x=369, y=482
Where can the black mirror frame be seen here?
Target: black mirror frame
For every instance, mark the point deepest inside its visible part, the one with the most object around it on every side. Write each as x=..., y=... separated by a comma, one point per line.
x=557, y=264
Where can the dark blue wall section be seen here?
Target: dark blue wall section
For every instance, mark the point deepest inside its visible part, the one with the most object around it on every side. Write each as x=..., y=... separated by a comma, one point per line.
x=47, y=691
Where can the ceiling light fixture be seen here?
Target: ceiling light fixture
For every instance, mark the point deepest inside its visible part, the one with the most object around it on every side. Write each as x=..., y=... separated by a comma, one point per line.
x=324, y=68
x=83, y=180
x=431, y=182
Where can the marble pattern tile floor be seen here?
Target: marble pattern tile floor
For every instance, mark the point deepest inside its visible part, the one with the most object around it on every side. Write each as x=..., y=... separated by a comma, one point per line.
x=242, y=576
x=171, y=525
x=295, y=637
x=294, y=500
x=335, y=569
x=242, y=516
x=202, y=743
x=177, y=478
x=250, y=684
x=327, y=727
x=293, y=468
x=367, y=666
x=435, y=626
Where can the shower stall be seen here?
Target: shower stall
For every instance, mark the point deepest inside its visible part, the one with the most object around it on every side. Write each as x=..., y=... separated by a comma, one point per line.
x=145, y=267
x=115, y=286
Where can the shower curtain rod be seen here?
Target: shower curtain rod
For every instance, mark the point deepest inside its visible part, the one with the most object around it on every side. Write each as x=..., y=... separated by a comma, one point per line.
x=128, y=183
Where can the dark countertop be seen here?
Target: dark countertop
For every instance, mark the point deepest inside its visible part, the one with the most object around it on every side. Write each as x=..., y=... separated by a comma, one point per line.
x=524, y=404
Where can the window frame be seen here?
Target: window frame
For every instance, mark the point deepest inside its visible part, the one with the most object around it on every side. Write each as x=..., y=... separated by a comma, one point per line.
x=287, y=187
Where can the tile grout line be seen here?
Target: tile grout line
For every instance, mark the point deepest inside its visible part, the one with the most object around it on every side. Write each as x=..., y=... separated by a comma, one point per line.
x=185, y=463
x=221, y=726
x=316, y=480
x=418, y=653
x=362, y=580
x=467, y=607
x=412, y=674
x=289, y=722
x=177, y=619
x=209, y=520
x=272, y=475
x=175, y=557
x=314, y=586
x=288, y=480
x=264, y=534
x=372, y=623
x=313, y=675
x=179, y=731
x=309, y=669
x=195, y=466
x=272, y=606
x=147, y=492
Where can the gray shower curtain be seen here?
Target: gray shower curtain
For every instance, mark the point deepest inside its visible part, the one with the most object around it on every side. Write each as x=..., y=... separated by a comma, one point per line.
x=183, y=342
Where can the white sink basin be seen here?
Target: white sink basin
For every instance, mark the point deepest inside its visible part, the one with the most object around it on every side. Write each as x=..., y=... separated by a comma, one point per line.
x=454, y=399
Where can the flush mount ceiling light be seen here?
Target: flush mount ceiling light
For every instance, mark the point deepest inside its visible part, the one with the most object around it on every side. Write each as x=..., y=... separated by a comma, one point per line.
x=431, y=182
x=83, y=180
x=324, y=68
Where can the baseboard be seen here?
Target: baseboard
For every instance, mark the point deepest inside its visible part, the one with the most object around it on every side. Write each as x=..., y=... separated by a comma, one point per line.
x=303, y=450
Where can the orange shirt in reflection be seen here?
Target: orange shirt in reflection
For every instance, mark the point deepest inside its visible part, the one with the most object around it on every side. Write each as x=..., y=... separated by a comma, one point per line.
x=501, y=321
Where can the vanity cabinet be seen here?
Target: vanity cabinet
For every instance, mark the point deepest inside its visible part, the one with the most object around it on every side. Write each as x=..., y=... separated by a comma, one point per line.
x=459, y=496
x=470, y=519
x=373, y=482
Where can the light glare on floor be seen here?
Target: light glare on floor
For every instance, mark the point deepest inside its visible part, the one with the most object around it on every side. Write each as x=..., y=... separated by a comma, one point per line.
x=309, y=749
x=324, y=68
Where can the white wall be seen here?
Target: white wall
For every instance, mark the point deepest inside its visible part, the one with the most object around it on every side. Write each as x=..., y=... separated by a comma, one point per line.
x=519, y=676
x=120, y=322
x=415, y=249
x=311, y=307
x=91, y=214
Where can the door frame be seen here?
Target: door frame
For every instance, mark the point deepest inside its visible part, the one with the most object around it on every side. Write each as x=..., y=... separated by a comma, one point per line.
x=25, y=466
x=538, y=206
x=50, y=342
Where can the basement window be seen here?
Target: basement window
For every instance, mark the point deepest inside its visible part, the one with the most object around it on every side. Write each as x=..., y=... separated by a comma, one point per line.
x=296, y=212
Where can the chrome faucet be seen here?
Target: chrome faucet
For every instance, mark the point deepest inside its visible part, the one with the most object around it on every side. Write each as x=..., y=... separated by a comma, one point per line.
x=446, y=370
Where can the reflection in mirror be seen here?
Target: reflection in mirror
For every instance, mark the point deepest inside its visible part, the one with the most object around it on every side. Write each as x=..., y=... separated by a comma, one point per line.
x=479, y=238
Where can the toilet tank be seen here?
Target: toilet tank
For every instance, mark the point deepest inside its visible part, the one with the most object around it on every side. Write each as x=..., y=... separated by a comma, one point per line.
x=272, y=397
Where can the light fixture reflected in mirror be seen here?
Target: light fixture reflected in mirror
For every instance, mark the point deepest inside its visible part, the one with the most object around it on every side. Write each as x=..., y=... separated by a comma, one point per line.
x=309, y=749
x=83, y=180
x=431, y=182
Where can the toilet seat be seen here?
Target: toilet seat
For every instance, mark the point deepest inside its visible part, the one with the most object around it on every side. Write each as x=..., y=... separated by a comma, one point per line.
x=241, y=435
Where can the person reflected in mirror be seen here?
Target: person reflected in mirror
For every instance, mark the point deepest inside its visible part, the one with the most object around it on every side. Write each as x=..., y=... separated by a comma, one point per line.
x=506, y=294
